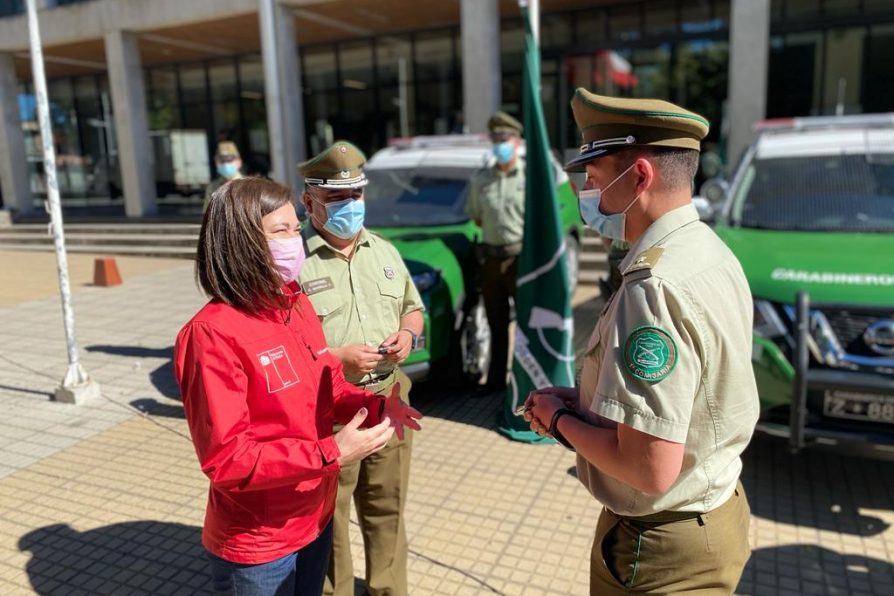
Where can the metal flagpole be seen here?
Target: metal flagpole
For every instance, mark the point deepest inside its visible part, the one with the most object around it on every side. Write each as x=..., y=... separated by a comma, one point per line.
x=77, y=386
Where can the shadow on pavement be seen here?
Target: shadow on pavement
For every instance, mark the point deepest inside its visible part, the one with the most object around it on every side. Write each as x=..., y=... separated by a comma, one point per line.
x=810, y=569
x=153, y=407
x=817, y=489
x=162, y=378
x=144, y=557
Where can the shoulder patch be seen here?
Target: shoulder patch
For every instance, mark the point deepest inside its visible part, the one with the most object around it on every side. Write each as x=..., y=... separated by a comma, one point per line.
x=650, y=353
x=645, y=260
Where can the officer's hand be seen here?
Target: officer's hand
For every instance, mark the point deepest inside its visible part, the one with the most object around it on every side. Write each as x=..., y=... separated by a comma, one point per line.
x=355, y=443
x=400, y=413
x=570, y=397
x=399, y=345
x=540, y=414
x=357, y=359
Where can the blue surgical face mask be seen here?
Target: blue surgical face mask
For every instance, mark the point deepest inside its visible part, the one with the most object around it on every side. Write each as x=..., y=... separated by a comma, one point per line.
x=611, y=225
x=227, y=170
x=344, y=218
x=504, y=152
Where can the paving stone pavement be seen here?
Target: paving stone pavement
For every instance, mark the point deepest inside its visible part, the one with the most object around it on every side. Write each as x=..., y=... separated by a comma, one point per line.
x=108, y=499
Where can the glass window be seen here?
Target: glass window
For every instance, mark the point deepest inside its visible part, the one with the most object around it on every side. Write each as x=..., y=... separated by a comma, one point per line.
x=436, y=107
x=590, y=26
x=661, y=18
x=844, y=68
x=162, y=100
x=555, y=30
x=793, y=81
x=702, y=80
x=842, y=6
x=796, y=9
x=319, y=69
x=649, y=72
x=397, y=114
x=512, y=46
x=435, y=58
x=879, y=87
x=355, y=61
x=358, y=121
x=222, y=76
x=192, y=84
x=424, y=196
x=878, y=6
x=696, y=17
x=390, y=50
x=256, y=154
x=624, y=22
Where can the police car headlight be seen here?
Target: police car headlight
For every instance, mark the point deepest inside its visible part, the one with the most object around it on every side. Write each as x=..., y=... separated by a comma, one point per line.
x=427, y=280
x=767, y=322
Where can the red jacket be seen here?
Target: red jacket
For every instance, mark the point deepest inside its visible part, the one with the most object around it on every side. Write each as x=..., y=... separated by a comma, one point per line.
x=260, y=395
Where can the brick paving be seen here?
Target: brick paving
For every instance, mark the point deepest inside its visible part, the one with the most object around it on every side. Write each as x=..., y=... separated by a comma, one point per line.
x=108, y=499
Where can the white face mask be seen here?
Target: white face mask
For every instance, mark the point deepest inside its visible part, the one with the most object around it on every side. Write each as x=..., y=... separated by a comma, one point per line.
x=611, y=225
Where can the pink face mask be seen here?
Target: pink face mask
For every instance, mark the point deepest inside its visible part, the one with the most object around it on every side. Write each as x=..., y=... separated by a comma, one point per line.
x=288, y=256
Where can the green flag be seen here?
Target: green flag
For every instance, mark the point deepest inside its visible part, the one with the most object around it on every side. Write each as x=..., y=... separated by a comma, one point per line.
x=543, y=354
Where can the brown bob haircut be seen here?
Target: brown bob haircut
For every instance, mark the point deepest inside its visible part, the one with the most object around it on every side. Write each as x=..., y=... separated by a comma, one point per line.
x=233, y=262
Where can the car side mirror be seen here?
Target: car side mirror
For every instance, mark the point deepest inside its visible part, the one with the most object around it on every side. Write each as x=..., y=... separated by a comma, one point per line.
x=715, y=190
x=705, y=208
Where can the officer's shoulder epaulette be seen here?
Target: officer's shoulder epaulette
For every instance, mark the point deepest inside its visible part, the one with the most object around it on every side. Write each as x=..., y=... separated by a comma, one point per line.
x=644, y=261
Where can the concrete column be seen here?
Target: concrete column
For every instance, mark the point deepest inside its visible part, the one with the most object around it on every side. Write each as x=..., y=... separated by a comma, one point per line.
x=131, y=129
x=282, y=90
x=13, y=163
x=482, y=78
x=749, y=48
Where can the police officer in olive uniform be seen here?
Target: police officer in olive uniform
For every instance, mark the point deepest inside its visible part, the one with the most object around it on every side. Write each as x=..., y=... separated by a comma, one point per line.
x=372, y=317
x=229, y=167
x=497, y=204
x=667, y=399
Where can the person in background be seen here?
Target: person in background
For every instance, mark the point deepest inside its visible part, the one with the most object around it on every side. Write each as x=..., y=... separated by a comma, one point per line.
x=261, y=392
x=228, y=164
x=497, y=204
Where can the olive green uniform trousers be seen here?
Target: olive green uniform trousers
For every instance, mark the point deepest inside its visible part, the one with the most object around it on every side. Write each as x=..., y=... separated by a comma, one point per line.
x=672, y=553
x=378, y=485
x=498, y=285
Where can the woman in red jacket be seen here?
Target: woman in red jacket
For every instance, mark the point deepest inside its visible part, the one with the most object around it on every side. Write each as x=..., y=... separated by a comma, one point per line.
x=261, y=392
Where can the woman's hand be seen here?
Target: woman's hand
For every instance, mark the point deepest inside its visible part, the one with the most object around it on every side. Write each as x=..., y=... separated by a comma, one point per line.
x=355, y=443
x=400, y=413
x=357, y=359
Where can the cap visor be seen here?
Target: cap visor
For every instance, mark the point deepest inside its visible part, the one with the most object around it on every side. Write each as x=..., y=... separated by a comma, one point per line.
x=578, y=164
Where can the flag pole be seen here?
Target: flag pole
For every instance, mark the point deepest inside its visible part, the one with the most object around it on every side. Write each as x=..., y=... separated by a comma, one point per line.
x=77, y=387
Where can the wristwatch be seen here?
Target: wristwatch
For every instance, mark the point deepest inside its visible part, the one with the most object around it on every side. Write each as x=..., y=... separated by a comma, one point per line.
x=414, y=342
x=554, y=426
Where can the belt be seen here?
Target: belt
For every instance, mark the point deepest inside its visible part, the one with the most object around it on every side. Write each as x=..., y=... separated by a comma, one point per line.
x=380, y=380
x=667, y=517
x=502, y=251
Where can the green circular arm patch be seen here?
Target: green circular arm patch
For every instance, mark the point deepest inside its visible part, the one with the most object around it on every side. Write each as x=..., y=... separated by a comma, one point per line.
x=650, y=353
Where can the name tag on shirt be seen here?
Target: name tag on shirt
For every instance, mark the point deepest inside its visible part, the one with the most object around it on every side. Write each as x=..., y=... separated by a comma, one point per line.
x=315, y=286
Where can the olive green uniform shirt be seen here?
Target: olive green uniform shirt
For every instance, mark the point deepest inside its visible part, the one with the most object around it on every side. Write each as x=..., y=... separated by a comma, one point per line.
x=359, y=300
x=671, y=357
x=497, y=199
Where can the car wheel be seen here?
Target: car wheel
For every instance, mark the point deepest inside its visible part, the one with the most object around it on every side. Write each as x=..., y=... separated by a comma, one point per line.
x=572, y=256
x=474, y=343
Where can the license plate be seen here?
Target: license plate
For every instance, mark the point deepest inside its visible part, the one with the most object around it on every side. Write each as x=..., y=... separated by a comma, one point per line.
x=859, y=406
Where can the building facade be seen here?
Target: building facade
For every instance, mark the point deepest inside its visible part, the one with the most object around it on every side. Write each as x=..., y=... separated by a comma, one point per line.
x=140, y=99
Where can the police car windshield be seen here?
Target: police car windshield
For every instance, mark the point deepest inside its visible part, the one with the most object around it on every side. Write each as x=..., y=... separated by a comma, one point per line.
x=417, y=197
x=828, y=193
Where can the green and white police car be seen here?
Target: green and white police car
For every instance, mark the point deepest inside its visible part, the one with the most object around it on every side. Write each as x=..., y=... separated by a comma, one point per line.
x=810, y=215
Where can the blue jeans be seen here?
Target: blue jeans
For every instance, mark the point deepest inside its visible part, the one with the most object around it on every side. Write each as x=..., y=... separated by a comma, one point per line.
x=298, y=574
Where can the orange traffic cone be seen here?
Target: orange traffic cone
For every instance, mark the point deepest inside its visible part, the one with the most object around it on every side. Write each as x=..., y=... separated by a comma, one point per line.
x=105, y=273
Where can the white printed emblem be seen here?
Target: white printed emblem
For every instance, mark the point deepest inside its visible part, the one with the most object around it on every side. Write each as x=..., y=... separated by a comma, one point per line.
x=278, y=369
x=389, y=272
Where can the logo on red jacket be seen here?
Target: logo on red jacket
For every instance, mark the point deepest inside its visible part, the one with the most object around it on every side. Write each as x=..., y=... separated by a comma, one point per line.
x=278, y=369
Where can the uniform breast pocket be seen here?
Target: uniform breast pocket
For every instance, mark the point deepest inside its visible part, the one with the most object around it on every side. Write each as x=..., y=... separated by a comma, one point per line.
x=331, y=309
x=391, y=297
